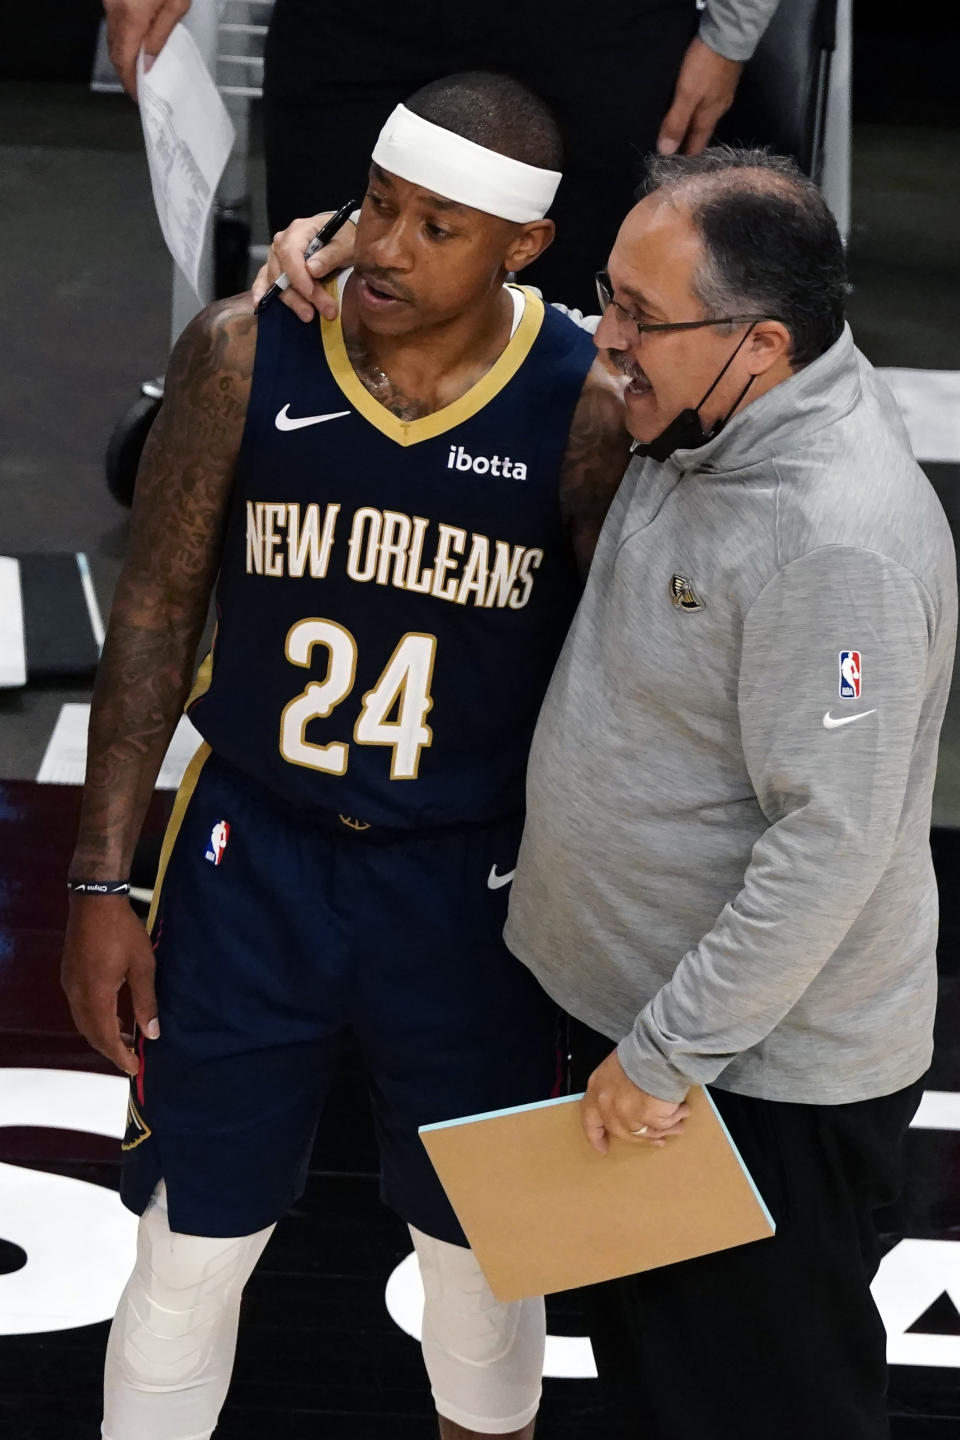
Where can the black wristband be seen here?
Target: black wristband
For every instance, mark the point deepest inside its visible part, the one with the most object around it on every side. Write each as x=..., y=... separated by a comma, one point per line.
x=98, y=887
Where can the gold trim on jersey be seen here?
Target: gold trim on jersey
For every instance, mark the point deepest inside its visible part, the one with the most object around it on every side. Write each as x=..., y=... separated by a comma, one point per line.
x=202, y=682
x=184, y=795
x=411, y=432
x=136, y=1121
x=204, y=676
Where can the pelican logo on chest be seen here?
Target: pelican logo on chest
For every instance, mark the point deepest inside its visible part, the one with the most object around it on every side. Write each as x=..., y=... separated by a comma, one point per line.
x=683, y=594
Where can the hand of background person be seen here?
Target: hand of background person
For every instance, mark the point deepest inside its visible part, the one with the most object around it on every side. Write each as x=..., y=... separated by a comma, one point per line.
x=613, y=1105
x=305, y=294
x=107, y=947
x=704, y=91
x=133, y=25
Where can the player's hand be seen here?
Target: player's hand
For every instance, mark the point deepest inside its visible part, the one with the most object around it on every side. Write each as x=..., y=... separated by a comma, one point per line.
x=613, y=1105
x=305, y=294
x=106, y=947
x=136, y=24
x=704, y=91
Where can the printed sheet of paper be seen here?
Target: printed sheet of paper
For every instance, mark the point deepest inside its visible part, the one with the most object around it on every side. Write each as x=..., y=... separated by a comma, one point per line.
x=189, y=136
x=65, y=760
x=544, y=1211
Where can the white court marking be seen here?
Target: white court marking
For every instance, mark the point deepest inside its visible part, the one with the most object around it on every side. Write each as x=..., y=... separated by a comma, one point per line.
x=65, y=759
x=79, y=1240
x=911, y=1277
x=13, y=650
x=939, y=1110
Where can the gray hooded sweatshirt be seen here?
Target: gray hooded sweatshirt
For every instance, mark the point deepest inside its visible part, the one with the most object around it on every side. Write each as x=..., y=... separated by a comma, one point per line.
x=726, y=864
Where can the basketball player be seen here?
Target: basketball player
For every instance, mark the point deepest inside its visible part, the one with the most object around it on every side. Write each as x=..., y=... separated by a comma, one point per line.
x=392, y=501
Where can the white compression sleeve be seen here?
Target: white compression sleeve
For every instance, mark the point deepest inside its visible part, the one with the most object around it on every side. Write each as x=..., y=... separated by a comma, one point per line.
x=484, y=1358
x=172, y=1342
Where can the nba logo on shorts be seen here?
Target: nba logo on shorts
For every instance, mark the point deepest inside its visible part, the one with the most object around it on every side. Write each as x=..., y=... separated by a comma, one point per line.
x=849, y=674
x=219, y=836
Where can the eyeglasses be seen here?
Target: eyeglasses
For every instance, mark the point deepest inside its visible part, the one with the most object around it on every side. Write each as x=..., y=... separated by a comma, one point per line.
x=605, y=297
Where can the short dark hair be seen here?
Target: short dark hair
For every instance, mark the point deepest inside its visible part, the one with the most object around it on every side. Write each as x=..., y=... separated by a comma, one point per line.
x=495, y=111
x=770, y=243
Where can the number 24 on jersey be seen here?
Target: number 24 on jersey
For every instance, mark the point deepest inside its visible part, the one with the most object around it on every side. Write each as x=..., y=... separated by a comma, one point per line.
x=393, y=713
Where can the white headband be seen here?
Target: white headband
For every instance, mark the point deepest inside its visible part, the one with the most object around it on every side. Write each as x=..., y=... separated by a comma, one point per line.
x=426, y=154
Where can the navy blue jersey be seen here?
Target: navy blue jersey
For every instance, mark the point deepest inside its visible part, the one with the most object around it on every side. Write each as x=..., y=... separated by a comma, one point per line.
x=393, y=594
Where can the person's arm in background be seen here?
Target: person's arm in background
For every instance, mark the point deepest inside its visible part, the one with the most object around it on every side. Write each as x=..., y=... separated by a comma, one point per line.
x=729, y=33
x=133, y=25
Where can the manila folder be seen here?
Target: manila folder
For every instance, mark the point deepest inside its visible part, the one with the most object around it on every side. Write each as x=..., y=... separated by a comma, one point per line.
x=544, y=1211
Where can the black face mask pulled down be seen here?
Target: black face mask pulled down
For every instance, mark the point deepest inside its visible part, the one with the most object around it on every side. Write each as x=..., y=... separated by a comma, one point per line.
x=685, y=431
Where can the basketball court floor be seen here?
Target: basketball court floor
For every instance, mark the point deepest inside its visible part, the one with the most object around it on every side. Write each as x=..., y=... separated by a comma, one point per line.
x=327, y=1347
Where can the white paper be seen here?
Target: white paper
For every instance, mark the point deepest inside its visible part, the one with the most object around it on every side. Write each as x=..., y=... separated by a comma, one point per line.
x=65, y=761
x=929, y=401
x=189, y=136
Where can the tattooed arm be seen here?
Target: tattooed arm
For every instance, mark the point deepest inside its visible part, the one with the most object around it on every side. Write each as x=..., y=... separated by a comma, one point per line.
x=598, y=449
x=157, y=618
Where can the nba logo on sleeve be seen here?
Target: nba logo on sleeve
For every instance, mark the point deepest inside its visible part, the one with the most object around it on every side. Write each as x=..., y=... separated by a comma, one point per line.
x=219, y=836
x=850, y=674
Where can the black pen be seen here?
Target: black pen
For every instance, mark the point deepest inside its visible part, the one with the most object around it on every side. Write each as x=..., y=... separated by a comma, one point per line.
x=322, y=237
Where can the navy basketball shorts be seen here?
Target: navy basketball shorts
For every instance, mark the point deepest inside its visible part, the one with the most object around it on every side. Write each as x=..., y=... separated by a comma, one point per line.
x=274, y=933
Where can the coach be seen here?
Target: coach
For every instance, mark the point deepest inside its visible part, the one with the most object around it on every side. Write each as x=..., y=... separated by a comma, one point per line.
x=726, y=866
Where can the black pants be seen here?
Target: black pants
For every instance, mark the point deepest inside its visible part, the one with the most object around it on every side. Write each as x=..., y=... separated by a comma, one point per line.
x=607, y=69
x=778, y=1340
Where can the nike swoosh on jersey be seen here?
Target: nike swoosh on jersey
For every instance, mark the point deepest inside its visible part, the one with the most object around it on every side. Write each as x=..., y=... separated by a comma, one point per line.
x=832, y=722
x=495, y=881
x=284, y=421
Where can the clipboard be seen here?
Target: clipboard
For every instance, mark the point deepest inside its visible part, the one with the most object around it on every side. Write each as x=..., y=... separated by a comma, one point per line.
x=543, y=1211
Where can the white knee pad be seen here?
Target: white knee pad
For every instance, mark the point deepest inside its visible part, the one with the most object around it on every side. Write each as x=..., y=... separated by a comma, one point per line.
x=171, y=1347
x=484, y=1358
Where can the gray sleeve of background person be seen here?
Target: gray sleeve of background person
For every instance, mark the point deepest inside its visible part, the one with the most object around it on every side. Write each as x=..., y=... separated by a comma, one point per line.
x=734, y=27
x=833, y=799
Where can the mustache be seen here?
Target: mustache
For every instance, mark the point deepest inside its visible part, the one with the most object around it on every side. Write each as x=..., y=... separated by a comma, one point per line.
x=625, y=365
x=373, y=274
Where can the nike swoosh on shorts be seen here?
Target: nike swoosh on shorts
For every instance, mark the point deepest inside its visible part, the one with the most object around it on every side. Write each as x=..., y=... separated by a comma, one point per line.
x=831, y=722
x=495, y=881
x=284, y=421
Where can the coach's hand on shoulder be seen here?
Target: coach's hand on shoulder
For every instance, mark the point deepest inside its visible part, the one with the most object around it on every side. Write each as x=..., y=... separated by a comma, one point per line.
x=305, y=294
x=705, y=89
x=613, y=1105
x=106, y=947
